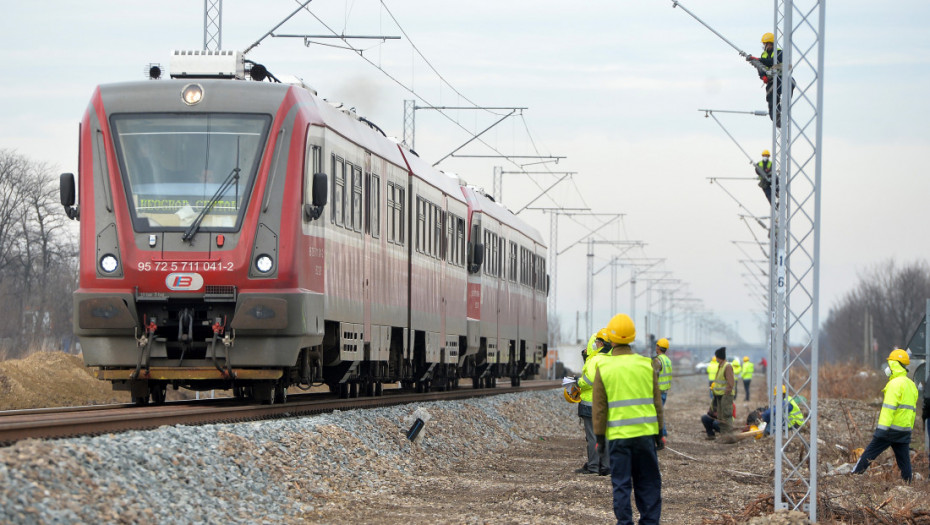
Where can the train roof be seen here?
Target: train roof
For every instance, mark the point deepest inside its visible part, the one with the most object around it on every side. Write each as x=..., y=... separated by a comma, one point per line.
x=481, y=203
x=266, y=97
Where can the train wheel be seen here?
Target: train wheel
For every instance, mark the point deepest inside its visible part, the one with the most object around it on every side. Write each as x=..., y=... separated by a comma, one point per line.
x=141, y=400
x=369, y=389
x=353, y=390
x=343, y=390
x=158, y=392
x=379, y=391
x=476, y=382
x=263, y=392
x=280, y=393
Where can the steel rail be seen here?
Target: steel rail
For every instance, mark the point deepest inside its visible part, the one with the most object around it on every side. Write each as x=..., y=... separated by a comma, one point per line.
x=17, y=425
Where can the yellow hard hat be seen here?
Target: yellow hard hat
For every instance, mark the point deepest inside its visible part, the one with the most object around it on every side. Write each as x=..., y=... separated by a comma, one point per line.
x=900, y=356
x=621, y=330
x=768, y=38
x=572, y=394
x=745, y=358
x=602, y=334
x=663, y=343
x=765, y=153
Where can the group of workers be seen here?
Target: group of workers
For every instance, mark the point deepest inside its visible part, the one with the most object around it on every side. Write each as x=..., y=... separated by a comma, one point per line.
x=621, y=399
x=768, y=64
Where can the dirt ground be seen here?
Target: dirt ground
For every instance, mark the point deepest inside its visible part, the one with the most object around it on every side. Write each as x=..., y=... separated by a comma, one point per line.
x=704, y=482
x=52, y=379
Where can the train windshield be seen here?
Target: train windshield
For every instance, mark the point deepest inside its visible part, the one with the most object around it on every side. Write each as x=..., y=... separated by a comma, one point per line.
x=182, y=169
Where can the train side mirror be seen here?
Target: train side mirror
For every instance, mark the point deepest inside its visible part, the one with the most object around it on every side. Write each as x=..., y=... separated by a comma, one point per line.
x=320, y=189
x=476, y=258
x=66, y=191
x=318, y=195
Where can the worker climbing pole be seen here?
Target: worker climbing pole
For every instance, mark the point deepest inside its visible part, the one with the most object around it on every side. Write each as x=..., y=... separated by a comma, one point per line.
x=794, y=290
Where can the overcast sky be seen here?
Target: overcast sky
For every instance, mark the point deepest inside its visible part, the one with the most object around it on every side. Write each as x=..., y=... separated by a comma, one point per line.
x=614, y=86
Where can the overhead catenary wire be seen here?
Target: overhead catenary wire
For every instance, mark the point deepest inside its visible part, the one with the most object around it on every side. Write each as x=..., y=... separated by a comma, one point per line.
x=411, y=90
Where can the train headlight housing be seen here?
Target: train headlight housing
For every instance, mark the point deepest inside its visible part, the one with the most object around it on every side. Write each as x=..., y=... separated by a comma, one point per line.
x=109, y=263
x=264, y=263
x=192, y=94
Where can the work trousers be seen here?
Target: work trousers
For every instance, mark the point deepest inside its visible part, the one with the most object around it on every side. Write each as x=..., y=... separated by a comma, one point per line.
x=634, y=467
x=711, y=425
x=746, y=387
x=597, y=461
x=877, y=446
x=664, y=395
x=724, y=409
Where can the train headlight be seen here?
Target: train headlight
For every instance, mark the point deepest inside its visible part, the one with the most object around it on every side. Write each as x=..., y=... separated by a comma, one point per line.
x=109, y=263
x=192, y=94
x=264, y=263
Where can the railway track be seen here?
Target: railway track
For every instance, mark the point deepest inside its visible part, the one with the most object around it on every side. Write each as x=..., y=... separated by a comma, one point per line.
x=49, y=423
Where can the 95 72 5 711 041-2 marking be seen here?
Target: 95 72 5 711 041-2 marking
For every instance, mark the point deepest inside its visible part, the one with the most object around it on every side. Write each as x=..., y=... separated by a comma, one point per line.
x=184, y=266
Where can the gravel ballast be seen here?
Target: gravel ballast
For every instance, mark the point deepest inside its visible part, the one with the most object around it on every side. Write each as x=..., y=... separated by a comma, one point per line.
x=270, y=471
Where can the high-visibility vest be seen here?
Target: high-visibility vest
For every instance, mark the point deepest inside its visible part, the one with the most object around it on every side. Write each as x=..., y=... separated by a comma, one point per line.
x=712, y=370
x=586, y=381
x=899, y=408
x=748, y=369
x=720, y=380
x=737, y=370
x=766, y=165
x=795, y=416
x=631, y=411
x=665, y=375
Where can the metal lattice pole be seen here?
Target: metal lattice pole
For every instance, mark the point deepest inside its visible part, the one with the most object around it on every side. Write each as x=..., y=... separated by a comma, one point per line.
x=799, y=27
x=410, y=125
x=212, y=25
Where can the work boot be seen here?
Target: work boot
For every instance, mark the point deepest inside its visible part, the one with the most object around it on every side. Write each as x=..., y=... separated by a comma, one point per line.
x=603, y=472
x=710, y=437
x=584, y=470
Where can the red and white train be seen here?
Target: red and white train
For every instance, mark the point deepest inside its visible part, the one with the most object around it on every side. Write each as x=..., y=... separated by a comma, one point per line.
x=248, y=235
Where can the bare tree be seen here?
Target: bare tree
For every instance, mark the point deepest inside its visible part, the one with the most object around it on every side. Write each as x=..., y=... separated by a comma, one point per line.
x=38, y=265
x=891, y=298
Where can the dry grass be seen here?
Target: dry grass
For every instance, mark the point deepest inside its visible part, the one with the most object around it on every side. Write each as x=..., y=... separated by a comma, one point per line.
x=850, y=381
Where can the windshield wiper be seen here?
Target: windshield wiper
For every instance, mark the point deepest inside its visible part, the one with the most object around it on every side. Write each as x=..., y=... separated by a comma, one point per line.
x=232, y=178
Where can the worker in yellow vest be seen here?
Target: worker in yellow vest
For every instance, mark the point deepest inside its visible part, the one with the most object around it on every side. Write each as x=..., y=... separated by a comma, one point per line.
x=711, y=374
x=663, y=366
x=748, y=369
x=627, y=416
x=737, y=375
x=722, y=389
x=596, y=459
x=896, y=419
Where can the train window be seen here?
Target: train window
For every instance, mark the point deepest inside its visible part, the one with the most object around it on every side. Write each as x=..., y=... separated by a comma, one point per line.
x=181, y=170
x=356, y=197
x=421, y=225
x=458, y=241
x=373, y=224
x=512, y=275
x=438, y=238
x=449, y=246
x=502, y=244
x=402, y=216
x=339, y=191
x=392, y=212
